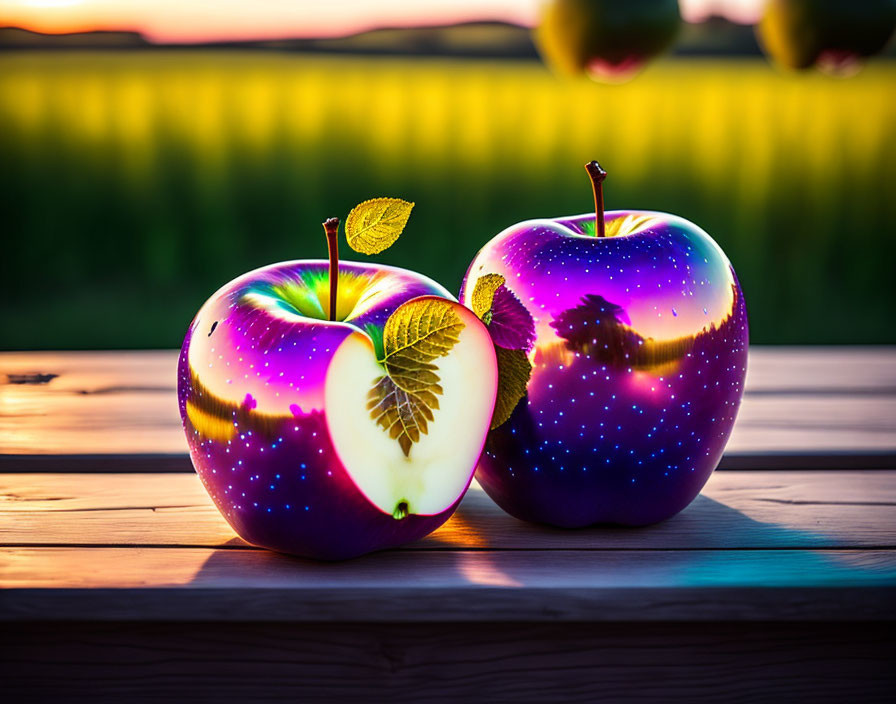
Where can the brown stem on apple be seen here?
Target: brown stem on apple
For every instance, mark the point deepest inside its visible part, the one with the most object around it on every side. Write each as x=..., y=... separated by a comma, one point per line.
x=597, y=175
x=331, y=227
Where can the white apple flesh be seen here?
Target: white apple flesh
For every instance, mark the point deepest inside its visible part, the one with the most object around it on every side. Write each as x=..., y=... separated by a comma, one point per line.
x=427, y=481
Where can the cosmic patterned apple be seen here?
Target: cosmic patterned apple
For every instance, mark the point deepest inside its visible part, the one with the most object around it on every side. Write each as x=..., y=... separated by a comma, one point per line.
x=330, y=421
x=625, y=370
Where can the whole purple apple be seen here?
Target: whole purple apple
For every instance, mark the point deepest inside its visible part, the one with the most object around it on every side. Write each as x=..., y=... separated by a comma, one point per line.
x=332, y=435
x=621, y=341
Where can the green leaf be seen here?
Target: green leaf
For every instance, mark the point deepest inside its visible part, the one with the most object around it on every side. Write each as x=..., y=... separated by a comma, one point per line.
x=514, y=371
x=402, y=401
x=375, y=224
x=375, y=333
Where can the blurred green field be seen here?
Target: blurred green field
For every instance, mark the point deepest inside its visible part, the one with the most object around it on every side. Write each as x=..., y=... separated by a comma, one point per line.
x=132, y=185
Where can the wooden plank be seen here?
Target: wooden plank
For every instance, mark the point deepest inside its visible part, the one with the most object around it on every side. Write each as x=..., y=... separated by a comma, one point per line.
x=836, y=459
x=96, y=402
x=736, y=511
x=117, y=409
x=852, y=370
x=503, y=662
x=198, y=584
x=778, y=423
x=785, y=369
x=180, y=463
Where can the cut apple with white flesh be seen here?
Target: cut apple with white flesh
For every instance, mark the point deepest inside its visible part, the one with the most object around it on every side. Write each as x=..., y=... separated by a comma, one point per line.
x=428, y=475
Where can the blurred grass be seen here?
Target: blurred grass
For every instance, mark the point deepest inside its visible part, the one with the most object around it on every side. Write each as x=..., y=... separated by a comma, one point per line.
x=132, y=185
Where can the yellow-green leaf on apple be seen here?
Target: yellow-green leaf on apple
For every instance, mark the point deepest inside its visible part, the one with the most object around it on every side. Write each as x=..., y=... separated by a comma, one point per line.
x=508, y=321
x=484, y=294
x=403, y=399
x=375, y=224
x=513, y=331
x=514, y=370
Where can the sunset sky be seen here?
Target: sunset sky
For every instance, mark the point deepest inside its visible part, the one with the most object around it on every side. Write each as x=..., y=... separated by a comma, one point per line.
x=204, y=20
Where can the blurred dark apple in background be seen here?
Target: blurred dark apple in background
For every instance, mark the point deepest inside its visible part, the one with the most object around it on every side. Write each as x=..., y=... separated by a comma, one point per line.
x=834, y=35
x=607, y=39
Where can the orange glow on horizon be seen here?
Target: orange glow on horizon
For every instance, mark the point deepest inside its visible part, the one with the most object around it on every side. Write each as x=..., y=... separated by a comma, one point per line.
x=179, y=21
x=185, y=21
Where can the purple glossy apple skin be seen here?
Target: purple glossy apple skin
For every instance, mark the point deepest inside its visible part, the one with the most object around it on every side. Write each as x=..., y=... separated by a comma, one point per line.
x=278, y=480
x=616, y=427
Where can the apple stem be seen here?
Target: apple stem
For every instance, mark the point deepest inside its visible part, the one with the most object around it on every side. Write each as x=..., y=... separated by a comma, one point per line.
x=597, y=175
x=331, y=227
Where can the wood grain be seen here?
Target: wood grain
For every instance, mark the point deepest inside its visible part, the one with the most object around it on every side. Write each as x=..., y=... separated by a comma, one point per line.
x=802, y=406
x=772, y=585
x=495, y=662
x=850, y=370
x=99, y=402
x=737, y=510
x=196, y=584
x=758, y=545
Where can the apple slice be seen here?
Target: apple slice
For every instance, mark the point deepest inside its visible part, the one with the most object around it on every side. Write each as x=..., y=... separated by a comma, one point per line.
x=409, y=427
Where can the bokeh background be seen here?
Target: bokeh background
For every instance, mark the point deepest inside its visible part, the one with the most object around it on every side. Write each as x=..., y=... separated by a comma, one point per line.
x=138, y=177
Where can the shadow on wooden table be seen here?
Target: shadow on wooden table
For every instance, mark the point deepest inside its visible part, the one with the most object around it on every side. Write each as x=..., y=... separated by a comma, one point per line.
x=481, y=613
x=507, y=554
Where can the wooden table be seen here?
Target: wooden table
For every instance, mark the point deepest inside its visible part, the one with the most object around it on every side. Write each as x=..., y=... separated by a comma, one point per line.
x=120, y=581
